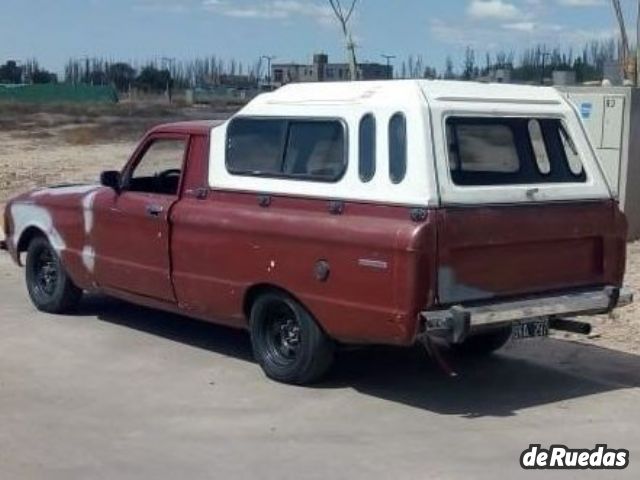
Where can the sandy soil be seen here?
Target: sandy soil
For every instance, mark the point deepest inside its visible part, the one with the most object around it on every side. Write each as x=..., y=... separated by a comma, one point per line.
x=49, y=149
x=26, y=163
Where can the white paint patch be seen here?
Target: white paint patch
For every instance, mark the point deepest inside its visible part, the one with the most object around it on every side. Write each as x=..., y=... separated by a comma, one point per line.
x=89, y=258
x=25, y=216
x=88, y=251
x=272, y=266
x=70, y=190
x=87, y=210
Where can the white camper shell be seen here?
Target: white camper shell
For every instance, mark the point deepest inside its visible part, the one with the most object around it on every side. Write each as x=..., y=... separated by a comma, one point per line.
x=427, y=107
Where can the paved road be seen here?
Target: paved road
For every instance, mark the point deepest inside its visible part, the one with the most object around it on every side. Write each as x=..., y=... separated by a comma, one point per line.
x=121, y=392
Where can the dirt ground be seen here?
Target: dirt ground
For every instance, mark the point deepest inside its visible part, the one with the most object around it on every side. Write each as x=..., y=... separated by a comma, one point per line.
x=65, y=144
x=74, y=145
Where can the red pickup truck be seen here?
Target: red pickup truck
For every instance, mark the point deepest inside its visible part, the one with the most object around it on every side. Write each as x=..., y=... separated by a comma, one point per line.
x=364, y=213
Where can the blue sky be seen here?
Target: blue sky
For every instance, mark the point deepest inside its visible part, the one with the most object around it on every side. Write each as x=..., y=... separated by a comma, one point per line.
x=53, y=31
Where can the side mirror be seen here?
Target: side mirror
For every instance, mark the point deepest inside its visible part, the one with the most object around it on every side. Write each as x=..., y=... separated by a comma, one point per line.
x=111, y=179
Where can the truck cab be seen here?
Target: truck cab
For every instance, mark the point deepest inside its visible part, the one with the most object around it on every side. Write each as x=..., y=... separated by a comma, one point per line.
x=387, y=212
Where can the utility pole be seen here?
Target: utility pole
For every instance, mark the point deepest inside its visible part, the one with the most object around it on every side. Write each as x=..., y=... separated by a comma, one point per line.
x=170, y=62
x=544, y=58
x=388, y=58
x=269, y=59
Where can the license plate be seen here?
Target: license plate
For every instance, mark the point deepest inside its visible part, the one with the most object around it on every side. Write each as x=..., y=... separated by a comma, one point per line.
x=530, y=329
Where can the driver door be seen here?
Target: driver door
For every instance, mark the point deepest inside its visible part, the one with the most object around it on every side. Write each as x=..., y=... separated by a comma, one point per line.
x=131, y=231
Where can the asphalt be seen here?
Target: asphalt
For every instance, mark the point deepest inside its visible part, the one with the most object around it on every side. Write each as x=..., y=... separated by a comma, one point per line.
x=121, y=392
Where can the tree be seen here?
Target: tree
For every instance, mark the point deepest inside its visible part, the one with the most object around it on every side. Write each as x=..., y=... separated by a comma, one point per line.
x=343, y=16
x=122, y=75
x=34, y=74
x=448, y=69
x=152, y=79
x=43, y=76
x=10, y=72
x=468, y=71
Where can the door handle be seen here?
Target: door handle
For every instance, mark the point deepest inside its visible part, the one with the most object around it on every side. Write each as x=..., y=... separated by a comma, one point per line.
x=154, y=210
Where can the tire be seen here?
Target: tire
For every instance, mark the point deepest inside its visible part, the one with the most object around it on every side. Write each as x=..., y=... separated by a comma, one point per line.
x=50, y=288
x=484, y=344
x=287, y=342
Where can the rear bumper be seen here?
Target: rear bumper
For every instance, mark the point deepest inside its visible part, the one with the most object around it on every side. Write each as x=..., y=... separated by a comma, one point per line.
x=457, y=322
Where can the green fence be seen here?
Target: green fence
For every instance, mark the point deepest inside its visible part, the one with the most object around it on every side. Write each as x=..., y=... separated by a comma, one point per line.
x=58, y=93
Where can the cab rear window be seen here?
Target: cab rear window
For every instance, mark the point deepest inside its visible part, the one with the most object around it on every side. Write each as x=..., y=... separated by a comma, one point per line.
x=287, y=148
x=511, y=151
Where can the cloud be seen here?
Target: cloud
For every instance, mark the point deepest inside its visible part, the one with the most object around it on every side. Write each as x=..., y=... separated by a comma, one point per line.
x=505, y=35
x=492, y=9
x=269, y=9
x=520, y=26
x=168, y=6
x=244, y=9
x=582, y=3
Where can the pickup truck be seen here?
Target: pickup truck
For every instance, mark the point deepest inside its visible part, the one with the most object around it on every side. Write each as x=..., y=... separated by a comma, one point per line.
x=361, y=213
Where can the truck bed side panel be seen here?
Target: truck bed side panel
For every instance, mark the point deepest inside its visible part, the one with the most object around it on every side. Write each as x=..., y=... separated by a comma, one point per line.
x=381, y=263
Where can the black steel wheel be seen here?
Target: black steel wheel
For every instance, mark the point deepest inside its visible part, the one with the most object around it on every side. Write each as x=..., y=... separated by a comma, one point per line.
x=50, y=288
x=287, y=342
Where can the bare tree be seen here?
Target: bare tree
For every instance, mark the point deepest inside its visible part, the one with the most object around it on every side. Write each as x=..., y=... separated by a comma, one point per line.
x=344, y=15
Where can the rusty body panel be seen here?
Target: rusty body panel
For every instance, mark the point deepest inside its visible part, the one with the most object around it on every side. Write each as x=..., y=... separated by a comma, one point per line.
x=364, y=270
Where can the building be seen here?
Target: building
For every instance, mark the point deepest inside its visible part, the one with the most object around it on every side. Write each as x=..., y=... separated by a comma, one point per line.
x=323, y=71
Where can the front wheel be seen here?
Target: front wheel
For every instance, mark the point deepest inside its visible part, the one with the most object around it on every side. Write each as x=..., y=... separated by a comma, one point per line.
x=50, y=288
x=287, y=342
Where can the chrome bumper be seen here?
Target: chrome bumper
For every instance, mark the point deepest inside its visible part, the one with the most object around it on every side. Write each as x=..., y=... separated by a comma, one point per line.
x=456, y=323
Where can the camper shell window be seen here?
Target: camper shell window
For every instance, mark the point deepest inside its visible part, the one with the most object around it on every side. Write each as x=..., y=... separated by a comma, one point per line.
x=397, y=148
x=302, y=149
x=511, y=151
x=367, y=148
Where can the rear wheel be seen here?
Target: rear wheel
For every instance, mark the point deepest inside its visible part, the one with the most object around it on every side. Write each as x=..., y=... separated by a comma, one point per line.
x=50, y=288
x=484, y=343
x=287, y=342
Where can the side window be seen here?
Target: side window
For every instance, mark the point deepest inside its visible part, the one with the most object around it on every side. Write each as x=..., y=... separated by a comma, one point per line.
x=160, y=168
x=282, y=148
x=511, y=151
x=397, y=148
x=367, y=148
x=254, y=146
x=315, y=150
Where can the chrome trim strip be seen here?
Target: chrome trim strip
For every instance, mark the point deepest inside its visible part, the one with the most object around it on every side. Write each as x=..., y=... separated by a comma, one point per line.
x=376, y=264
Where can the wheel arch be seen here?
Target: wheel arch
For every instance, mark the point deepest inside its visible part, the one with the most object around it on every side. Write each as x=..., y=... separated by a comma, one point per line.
x=26, y=237
x=255, y=291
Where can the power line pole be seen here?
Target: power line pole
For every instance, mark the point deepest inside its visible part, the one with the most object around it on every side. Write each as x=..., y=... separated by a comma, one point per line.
x=269, y=59
x=388, y=58
x=544, y=58
x=170, y=62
